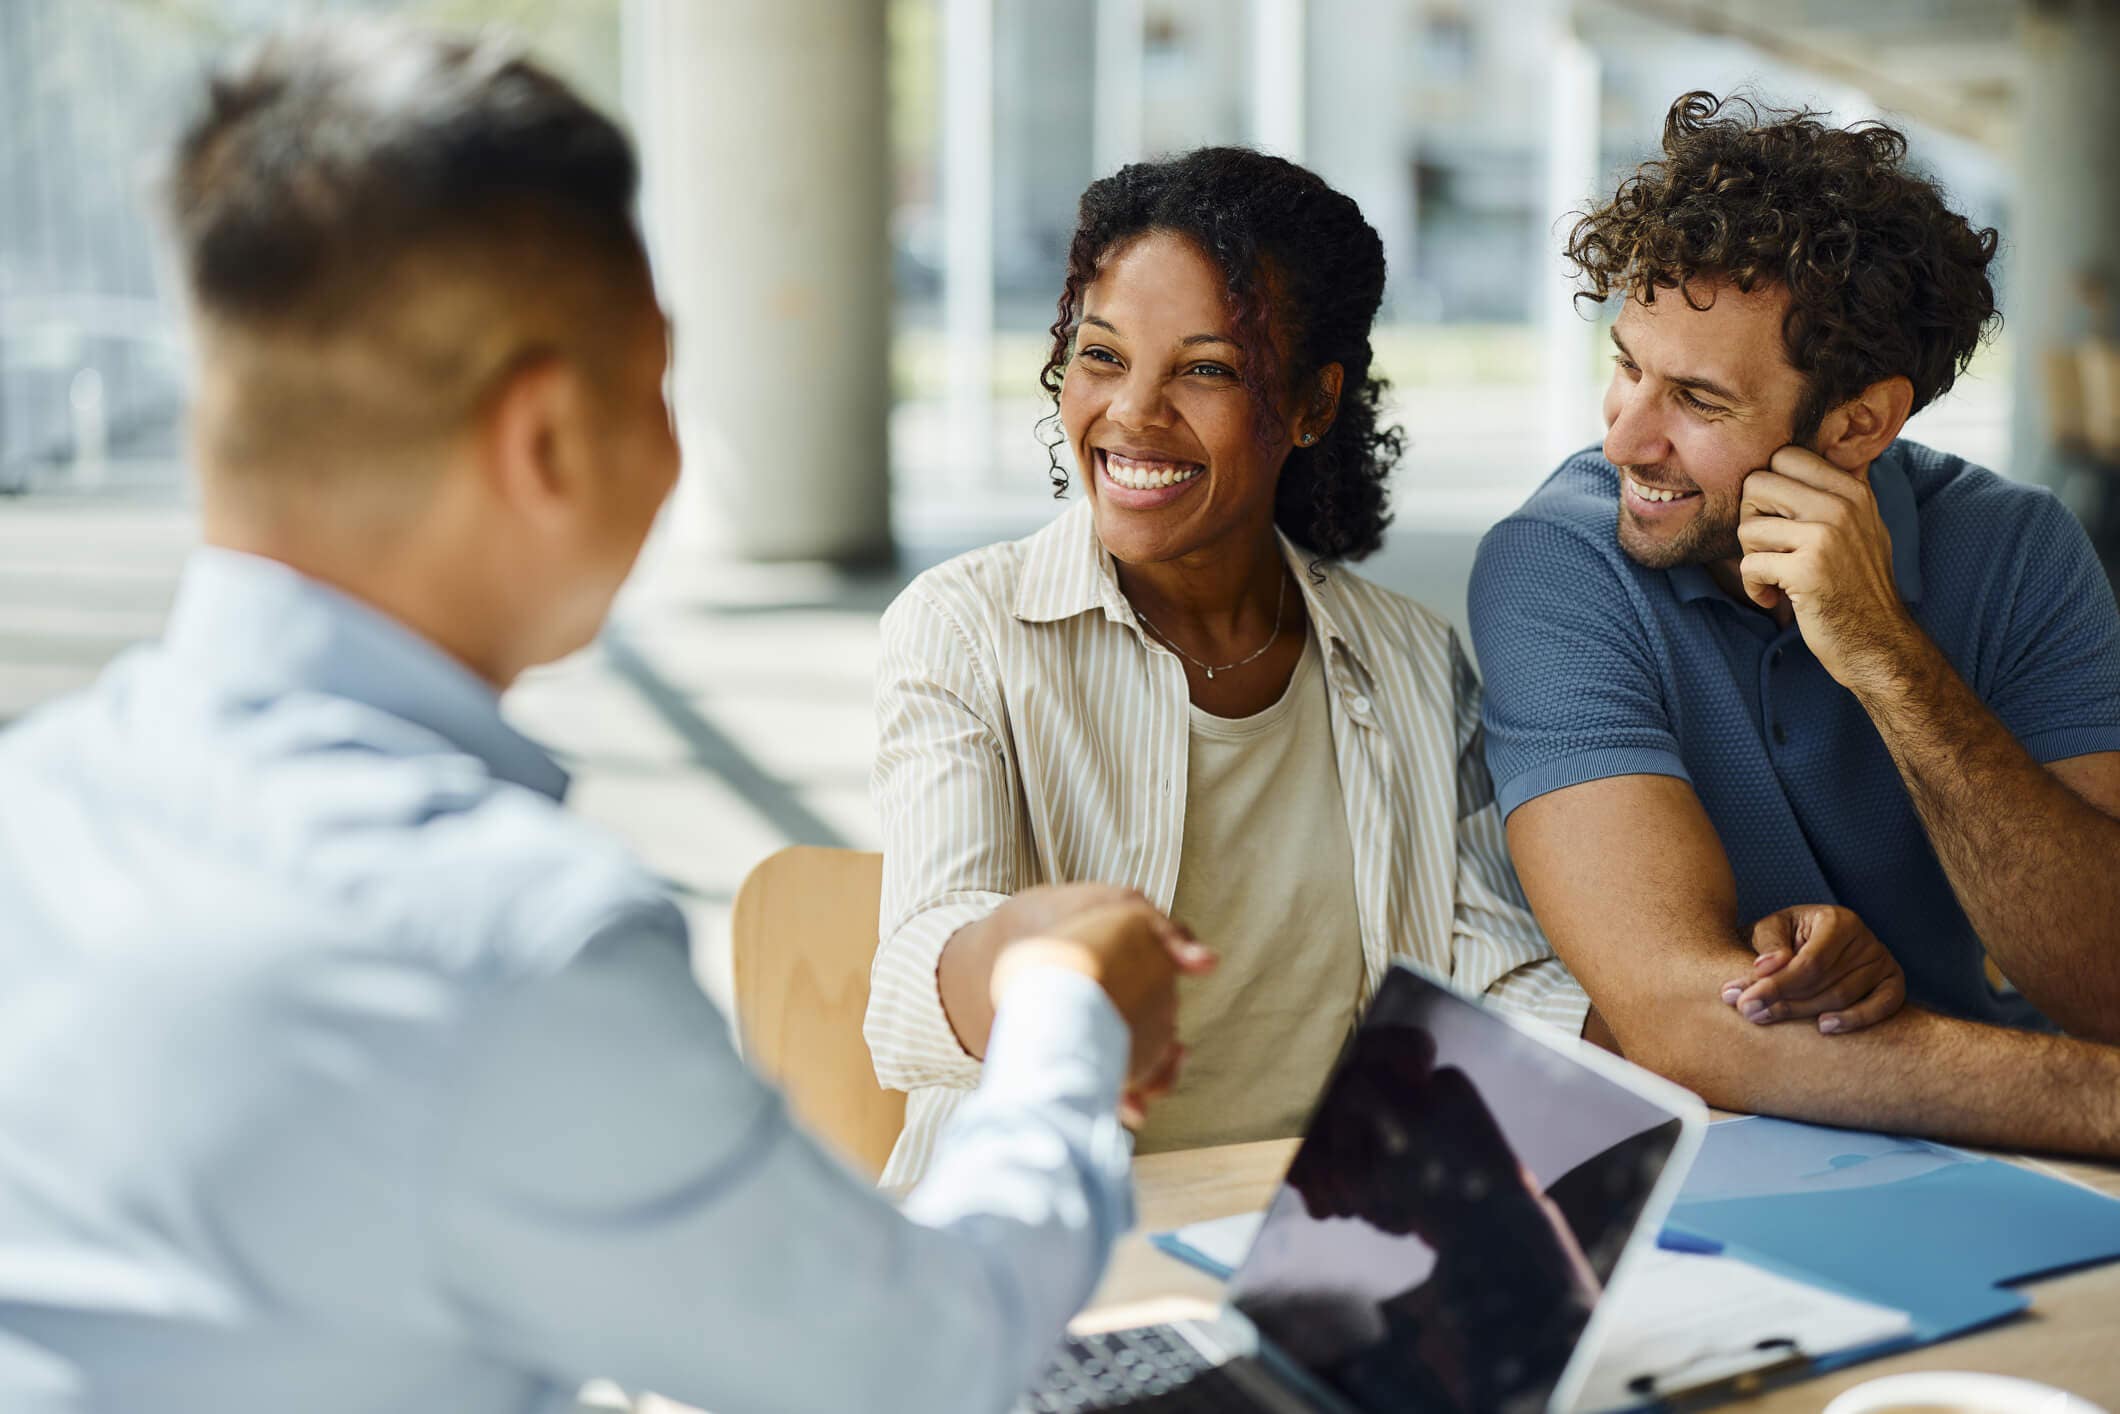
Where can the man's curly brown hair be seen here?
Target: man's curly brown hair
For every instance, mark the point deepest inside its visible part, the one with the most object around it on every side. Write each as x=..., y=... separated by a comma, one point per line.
x=1883, y=277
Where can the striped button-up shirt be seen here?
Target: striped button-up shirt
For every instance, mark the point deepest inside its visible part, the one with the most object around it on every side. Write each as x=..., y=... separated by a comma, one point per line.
x=1030, y=732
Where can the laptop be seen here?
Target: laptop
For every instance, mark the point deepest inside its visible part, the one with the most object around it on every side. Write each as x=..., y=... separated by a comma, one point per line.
x=1468, y=1189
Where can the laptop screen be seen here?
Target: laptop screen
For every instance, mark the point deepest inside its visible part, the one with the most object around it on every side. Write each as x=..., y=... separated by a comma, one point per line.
x=1456, y=1207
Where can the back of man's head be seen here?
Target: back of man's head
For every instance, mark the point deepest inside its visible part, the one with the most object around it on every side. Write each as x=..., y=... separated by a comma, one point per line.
x=1884, y=279
x=375, y=225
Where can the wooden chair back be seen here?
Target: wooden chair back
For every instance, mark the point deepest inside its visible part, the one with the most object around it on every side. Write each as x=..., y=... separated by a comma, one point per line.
x=803, y=933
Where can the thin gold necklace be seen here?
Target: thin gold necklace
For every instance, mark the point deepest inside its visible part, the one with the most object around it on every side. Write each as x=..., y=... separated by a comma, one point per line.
x=1280, y=602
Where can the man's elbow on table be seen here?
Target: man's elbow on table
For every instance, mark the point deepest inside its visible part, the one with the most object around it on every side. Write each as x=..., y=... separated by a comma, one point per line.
x=1701, y=1046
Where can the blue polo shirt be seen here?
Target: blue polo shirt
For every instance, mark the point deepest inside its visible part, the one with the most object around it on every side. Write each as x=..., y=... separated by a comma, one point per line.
x=1597, y=667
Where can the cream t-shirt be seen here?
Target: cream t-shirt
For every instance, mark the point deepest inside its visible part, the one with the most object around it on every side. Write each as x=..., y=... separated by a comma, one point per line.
x=1266, y=878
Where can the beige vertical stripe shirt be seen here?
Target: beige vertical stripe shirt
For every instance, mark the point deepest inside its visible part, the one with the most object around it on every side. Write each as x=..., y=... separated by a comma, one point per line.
x=1030, y=731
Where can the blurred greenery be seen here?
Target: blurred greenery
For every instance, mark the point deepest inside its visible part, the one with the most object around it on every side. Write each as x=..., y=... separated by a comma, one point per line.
x=915, y=40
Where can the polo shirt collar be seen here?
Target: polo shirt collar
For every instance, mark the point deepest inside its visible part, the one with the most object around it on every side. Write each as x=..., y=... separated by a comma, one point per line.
x=258, y=628
x=1067, y=571
x=1895, y=505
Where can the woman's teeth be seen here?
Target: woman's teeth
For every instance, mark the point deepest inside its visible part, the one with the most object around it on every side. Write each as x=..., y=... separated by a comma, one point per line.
x=1650, y=493
x=1147, y=476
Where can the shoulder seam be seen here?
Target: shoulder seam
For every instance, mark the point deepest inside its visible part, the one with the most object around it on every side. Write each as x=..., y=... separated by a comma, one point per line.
x=949, y=617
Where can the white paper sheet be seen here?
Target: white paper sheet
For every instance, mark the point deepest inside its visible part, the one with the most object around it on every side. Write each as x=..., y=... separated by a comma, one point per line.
x=1223, y=1241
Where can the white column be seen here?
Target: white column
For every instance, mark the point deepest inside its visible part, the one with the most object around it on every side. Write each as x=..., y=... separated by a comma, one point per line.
x=2064, y=225
x=762, y=126
x=1279, y=59
x=968, y=232
x=1118, y=78
x=1571, y=173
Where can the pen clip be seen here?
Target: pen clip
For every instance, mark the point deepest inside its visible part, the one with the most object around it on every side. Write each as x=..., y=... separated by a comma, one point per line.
x=1666, y=1387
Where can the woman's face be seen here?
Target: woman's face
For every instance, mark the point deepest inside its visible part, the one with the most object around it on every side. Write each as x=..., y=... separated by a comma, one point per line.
x=1164, y=432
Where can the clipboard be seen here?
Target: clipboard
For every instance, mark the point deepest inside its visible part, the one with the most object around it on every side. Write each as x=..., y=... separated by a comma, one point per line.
x=1693, y=1327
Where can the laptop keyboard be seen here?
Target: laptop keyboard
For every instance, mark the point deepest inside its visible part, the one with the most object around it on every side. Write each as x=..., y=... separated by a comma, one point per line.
x=1149, y=1367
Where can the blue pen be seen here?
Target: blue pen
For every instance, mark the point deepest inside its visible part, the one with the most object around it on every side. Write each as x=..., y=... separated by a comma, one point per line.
x=1677, y=1239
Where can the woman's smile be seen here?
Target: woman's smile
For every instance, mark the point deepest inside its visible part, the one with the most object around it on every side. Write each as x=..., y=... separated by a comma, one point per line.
x=1142, y=483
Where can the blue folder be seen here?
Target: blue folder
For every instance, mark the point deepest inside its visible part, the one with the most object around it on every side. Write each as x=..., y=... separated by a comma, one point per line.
x=1937, y=1232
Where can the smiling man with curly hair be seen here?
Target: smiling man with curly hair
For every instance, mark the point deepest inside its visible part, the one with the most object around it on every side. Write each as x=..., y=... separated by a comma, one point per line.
x=1760, y=658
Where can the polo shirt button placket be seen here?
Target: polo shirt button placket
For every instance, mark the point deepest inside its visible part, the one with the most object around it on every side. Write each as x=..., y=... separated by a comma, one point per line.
x=1776, y=728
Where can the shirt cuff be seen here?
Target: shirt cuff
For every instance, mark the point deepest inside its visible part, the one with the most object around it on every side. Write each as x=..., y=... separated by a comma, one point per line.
x=1056, y=1036
x=1549, y=776
x=910, y=1037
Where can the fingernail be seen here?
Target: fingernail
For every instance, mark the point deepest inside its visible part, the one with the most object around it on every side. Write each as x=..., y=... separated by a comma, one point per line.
x=1829, y=1024
x=1756, y=1012
x=1732, y=992
x=1764, y=960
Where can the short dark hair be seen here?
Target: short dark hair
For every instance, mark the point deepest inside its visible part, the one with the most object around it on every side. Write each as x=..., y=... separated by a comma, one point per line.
x=375, y=222
x=326, y=153
x=1884, y=278
x=1297, y=256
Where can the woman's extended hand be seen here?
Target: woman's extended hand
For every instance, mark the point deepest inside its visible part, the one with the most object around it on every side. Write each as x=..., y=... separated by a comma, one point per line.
x=1136, y=955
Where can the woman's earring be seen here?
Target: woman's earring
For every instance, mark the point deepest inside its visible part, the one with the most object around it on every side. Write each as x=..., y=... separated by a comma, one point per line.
x=1309, y=437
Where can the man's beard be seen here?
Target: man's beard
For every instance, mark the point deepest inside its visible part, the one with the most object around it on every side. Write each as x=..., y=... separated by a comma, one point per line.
x=1710, y=536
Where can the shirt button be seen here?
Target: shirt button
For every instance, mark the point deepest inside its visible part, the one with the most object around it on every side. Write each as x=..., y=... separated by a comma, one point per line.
x=1359, y=705
x=1781, y=738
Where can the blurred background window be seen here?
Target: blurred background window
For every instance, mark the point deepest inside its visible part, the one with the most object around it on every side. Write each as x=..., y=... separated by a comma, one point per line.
x=91, y=367
x=1467, y=131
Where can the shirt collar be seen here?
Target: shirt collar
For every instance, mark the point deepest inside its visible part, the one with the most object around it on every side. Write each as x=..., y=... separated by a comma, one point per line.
x=1895, y=506
x=262, y=628
x=1067, y=571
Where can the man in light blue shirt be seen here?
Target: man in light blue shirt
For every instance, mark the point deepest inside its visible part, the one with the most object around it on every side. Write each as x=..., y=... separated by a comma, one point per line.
x=340, y=1069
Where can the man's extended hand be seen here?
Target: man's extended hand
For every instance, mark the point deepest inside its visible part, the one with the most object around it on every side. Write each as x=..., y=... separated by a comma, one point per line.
x=1815, y=540
x=1818, y=960
x=1124, y=945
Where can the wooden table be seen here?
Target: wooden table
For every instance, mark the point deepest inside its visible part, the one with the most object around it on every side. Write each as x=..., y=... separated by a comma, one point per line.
x=2070, y=1337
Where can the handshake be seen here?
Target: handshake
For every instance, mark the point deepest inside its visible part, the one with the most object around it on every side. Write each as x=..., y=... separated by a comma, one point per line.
x=1123, y=943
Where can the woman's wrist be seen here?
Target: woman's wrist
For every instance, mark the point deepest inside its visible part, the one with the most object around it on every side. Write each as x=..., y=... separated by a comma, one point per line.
x=964, y=984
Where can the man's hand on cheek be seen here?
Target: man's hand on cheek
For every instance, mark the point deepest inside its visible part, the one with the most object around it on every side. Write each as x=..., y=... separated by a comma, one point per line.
x=1815, y=541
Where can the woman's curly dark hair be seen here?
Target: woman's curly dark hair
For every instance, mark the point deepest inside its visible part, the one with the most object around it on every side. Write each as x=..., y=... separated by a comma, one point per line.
x=1883, y=277
x=1301, y=264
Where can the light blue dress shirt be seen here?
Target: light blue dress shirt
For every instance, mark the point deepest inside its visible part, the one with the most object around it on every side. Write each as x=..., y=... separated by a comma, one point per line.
x=341, y=1069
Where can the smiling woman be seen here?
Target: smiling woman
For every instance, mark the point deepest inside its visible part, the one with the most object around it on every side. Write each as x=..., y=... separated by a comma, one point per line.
x=1285, y=280
x=1176, y=690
